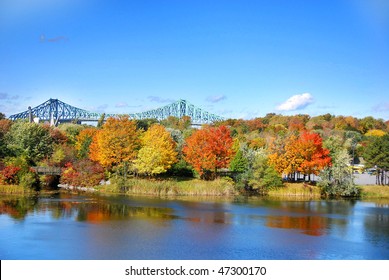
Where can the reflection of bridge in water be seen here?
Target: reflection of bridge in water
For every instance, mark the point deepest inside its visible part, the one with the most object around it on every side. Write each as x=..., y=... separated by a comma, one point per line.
x=56, y=111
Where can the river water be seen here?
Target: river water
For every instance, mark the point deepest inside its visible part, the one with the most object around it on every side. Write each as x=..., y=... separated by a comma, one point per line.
x=66, y=226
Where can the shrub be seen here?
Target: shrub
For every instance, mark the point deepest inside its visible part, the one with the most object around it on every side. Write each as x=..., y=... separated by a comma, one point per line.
x=181, y=169
x=29, y=180
x=9, y=175
x=83, y=173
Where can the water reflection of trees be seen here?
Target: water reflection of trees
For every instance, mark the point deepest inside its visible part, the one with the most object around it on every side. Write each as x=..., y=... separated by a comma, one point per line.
x=18, y=208
x=309, y=217
x=99, y=212
x=94, y=211
x=332, y=207
x=311, y=225
x=205, y=212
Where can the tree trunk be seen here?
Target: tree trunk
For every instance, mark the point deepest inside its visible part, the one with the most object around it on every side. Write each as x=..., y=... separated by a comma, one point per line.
x=382, y=177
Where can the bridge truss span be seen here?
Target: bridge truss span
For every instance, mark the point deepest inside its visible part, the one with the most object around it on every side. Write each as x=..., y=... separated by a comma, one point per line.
x=56, y=111
x=179, y=109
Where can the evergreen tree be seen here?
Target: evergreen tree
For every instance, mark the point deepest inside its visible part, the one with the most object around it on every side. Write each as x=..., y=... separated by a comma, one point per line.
x=239, y=163
x=377, y=155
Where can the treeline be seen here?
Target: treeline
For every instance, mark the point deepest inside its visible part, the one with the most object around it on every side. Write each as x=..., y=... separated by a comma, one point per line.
x=259, y=153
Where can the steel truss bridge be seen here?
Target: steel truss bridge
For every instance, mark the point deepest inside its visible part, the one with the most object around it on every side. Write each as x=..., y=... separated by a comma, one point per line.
x=56, y=111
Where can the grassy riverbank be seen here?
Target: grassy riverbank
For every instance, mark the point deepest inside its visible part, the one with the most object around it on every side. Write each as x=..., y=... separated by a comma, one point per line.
x=196, y=187
x=296, y=190
x=305, y=190
x=177, y=186
x=14, y=189
x=222, y=187
x=375, y=191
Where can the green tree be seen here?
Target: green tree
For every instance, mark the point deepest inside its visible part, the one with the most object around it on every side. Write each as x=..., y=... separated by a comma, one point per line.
x=5, y=126
x=84, y=140
x=244, y=164
x=369, y=123
x=337, y=179
x=71, y=131
x=377, y=155
x=144, y=124
x=29, y=140
x=239, y=163
x=264, y=176
x=101, y=120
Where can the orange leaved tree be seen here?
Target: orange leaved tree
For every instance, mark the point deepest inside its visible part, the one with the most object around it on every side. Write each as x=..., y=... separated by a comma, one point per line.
x=209, y=149
x=284, y=157
x=314, y=156
x=300, y=154
x=116, y=143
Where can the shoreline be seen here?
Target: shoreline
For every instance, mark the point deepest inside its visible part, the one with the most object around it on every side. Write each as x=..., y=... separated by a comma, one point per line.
x=198, y=188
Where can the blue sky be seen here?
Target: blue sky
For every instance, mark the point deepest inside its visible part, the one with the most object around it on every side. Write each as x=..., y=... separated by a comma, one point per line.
x=234, y=58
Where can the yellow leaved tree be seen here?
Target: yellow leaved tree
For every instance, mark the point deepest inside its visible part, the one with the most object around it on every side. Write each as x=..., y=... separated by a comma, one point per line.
x=157, y=153
x=375, y=133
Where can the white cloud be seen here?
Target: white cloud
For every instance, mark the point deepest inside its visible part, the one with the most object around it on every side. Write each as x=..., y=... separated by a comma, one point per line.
x=296, y=102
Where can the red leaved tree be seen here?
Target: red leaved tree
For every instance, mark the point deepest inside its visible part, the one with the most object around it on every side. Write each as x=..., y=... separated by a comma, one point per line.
x=315, y=156
x=208, y=150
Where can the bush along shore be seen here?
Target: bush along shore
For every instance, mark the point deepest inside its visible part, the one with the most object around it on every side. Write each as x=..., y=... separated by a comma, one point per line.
x=219, y=187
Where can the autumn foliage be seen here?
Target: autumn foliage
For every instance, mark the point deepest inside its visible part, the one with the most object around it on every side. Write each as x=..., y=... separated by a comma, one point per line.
x=117, y=142
x=304, y=154
x=83, y=173
x=314, y=156
x=266, y=147
x=158, y=153
x=84, y=140
x=9, y=175
x=209, y=149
